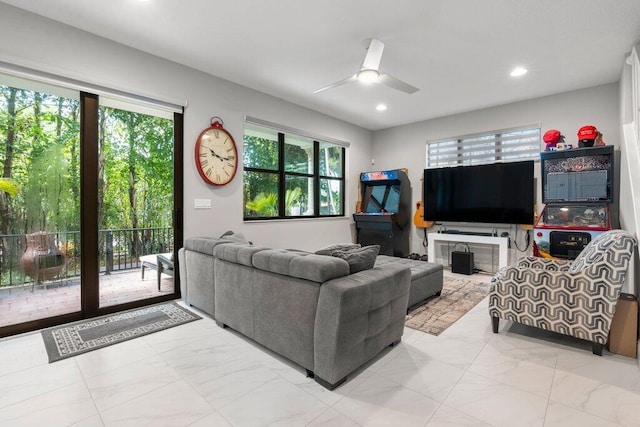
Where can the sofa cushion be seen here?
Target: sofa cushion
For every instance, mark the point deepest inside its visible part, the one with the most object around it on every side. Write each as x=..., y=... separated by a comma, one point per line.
x=203, y=245
x=359, y=259
x=317, y=268
x=238, y=253
x=328, y=250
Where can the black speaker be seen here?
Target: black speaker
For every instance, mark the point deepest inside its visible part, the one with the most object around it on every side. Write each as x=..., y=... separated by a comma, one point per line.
x=462, y=262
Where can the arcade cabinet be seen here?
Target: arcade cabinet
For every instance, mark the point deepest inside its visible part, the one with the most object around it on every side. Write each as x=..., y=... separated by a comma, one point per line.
x=385, y=216
x=578, y=192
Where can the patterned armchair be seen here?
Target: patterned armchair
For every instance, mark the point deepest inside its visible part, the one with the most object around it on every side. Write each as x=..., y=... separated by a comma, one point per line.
x=573, y=298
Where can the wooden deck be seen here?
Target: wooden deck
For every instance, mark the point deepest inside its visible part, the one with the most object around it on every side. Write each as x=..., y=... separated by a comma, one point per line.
x=24, y=303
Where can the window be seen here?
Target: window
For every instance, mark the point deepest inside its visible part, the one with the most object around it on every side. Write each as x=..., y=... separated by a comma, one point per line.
x=498, y=146
x=290, y=175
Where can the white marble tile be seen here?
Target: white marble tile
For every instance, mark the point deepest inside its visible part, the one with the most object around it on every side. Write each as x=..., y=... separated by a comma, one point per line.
x=516, y=371
x=94, y=421
x=472, y=326
x=610, y=402
x=525, y=348
x=38, y=380
x=379, y=401
x=609, y=368
x=456, y=351
x=449, y=417
x=559, y=415
x=214, y=419
x=332, y=418
x=226, y=382
x=419, y=372
x=128, y=382
x=63, y=406
x=22, y=352
x=496, y=403
x=411, y=335
x=175, y=404
x=115, y=356
x=202, y=354
x=276, y=403
x=329, y=397
x=182, y=335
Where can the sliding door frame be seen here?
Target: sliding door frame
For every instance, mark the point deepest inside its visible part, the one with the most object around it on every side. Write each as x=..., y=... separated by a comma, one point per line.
x=89, y=257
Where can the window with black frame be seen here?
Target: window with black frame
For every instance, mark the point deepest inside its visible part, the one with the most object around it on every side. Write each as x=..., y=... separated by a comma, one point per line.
x=290, y=175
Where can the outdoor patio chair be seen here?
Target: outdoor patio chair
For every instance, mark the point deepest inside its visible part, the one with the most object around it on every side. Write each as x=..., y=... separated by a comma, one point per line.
x=162, y=263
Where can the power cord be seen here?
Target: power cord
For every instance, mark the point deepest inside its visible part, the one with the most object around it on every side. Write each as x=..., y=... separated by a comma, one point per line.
x=527, y=240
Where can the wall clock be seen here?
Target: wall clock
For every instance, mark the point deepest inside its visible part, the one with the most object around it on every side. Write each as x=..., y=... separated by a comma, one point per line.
x=216, y=154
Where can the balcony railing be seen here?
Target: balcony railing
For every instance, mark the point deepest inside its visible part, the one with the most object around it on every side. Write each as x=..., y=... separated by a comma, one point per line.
x=119, y=249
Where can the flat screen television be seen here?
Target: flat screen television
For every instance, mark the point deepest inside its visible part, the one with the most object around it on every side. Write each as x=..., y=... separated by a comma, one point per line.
x=498, y=193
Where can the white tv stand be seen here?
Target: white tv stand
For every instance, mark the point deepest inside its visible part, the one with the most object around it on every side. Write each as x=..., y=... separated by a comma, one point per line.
x=501, y=242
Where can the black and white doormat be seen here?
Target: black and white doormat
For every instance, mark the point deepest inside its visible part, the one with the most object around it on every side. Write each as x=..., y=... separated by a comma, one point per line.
x=88, y=335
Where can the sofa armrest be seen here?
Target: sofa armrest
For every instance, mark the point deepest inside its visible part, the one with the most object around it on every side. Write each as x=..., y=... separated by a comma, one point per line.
x=358, y=316
x=544, y=263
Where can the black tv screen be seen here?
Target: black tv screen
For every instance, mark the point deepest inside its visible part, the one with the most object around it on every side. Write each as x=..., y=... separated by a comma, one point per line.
x=499, y=193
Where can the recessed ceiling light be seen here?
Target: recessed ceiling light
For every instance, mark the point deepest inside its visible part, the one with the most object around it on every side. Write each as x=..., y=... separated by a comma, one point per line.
x=518, y=71
x=381, y=107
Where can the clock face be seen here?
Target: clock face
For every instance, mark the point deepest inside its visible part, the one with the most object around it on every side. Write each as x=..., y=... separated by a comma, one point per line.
x=216, y=156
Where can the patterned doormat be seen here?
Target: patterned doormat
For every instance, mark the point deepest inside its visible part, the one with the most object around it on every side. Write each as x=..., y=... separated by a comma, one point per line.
x=87, y=335
x=438, y=313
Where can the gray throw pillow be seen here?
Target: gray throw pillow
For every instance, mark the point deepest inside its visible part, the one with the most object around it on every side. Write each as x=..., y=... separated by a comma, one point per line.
x=359, y=259
x=328, y=250
x=235, y=237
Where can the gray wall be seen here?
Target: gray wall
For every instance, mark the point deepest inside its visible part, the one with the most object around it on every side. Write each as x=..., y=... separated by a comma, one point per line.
x=36, y=42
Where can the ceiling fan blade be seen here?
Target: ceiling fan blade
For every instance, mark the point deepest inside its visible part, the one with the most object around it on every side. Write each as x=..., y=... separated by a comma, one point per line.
x=332, y=85
x=374, y=55
x=394, y=83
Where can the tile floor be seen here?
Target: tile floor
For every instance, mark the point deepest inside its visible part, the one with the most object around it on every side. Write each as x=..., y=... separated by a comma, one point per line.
x=201, y=375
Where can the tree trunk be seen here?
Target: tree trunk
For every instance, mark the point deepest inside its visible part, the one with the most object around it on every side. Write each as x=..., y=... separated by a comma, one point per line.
x=133, y=193
x=5, y=217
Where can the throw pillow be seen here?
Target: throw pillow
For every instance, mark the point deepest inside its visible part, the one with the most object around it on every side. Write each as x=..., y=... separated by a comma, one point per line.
x=328, y=250
x=235, y=237
x=359, y=259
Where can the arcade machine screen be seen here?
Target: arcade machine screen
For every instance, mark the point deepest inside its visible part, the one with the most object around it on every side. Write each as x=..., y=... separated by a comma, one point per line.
x=383, y=199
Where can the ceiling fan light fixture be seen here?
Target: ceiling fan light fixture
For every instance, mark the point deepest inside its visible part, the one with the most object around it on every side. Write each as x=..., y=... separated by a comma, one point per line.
x=368, y=76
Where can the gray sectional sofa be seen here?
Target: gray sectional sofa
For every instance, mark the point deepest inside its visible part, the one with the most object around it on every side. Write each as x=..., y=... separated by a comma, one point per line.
x=306, y=307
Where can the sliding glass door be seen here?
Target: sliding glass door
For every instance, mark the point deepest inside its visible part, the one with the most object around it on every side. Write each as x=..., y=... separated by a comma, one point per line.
x=39, y=201
x=90, y=197
x=135, y=202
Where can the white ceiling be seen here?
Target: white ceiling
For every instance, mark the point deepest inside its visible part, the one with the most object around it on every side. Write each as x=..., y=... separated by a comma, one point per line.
x=458, y=52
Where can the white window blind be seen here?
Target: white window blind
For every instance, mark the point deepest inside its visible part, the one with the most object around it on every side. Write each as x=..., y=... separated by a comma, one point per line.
x=505, y=145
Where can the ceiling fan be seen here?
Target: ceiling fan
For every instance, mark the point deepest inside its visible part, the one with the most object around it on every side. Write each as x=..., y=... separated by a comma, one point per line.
x=369, y=72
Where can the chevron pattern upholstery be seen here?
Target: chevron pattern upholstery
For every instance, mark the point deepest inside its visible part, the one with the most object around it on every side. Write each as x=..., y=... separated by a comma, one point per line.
x=573, y=298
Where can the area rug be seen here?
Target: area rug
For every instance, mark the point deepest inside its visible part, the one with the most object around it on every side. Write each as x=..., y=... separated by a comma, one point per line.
x=438, y=313
x=88, y=335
